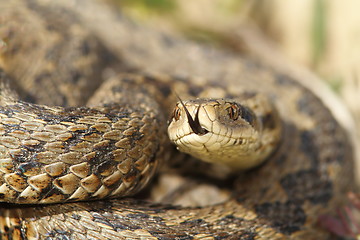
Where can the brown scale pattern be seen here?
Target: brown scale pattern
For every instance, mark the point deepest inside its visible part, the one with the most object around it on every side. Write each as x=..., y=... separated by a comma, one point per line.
x=58, y=155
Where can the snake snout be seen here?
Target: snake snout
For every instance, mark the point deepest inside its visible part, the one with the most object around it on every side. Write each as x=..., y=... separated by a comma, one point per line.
x=195, y=123
x=189, y=115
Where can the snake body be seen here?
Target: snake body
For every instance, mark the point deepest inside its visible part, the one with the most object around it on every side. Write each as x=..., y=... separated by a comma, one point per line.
x=51, y=154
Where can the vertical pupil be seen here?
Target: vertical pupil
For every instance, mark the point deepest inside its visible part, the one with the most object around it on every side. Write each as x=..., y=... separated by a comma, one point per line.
x=177, y=114
x=233, y=112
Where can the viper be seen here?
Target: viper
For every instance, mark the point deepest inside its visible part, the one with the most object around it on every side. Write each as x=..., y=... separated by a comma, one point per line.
x=84, y=128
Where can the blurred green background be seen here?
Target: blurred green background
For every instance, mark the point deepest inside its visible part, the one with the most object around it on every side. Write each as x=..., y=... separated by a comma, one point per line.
x=320, y=35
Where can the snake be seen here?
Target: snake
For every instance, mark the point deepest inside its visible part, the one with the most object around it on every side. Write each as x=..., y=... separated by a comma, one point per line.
x=83, y=128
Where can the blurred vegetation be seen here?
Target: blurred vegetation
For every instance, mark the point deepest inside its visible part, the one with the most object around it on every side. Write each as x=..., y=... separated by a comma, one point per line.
x=143, y=8
x=173, y=13
x=319, y=31
x=321, y=35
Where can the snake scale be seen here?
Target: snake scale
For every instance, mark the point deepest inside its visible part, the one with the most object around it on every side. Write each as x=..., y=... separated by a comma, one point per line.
x=81, y=53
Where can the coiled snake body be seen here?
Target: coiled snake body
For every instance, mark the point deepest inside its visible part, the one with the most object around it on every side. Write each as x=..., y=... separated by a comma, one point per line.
x=54, y=54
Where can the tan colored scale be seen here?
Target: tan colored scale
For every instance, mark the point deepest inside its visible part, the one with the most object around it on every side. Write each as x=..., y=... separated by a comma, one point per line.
x=39, y=182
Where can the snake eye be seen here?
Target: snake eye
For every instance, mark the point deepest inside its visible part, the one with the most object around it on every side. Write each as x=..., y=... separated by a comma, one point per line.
x=176, y=114
x=233, y=112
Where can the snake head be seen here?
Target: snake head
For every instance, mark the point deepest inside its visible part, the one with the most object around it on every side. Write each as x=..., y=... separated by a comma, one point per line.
x=219, y=131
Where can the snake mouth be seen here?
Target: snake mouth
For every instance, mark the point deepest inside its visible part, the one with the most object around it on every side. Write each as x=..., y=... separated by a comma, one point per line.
x=194, y=123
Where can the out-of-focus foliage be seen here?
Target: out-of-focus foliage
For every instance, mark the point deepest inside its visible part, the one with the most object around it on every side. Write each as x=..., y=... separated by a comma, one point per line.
x=324, y=36
x=149, y=5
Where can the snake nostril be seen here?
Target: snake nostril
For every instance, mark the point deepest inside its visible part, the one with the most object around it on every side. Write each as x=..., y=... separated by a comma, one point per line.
x=204, y=131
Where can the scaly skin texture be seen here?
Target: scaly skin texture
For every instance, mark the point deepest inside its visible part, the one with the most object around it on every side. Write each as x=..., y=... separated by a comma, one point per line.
x=61, y=52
